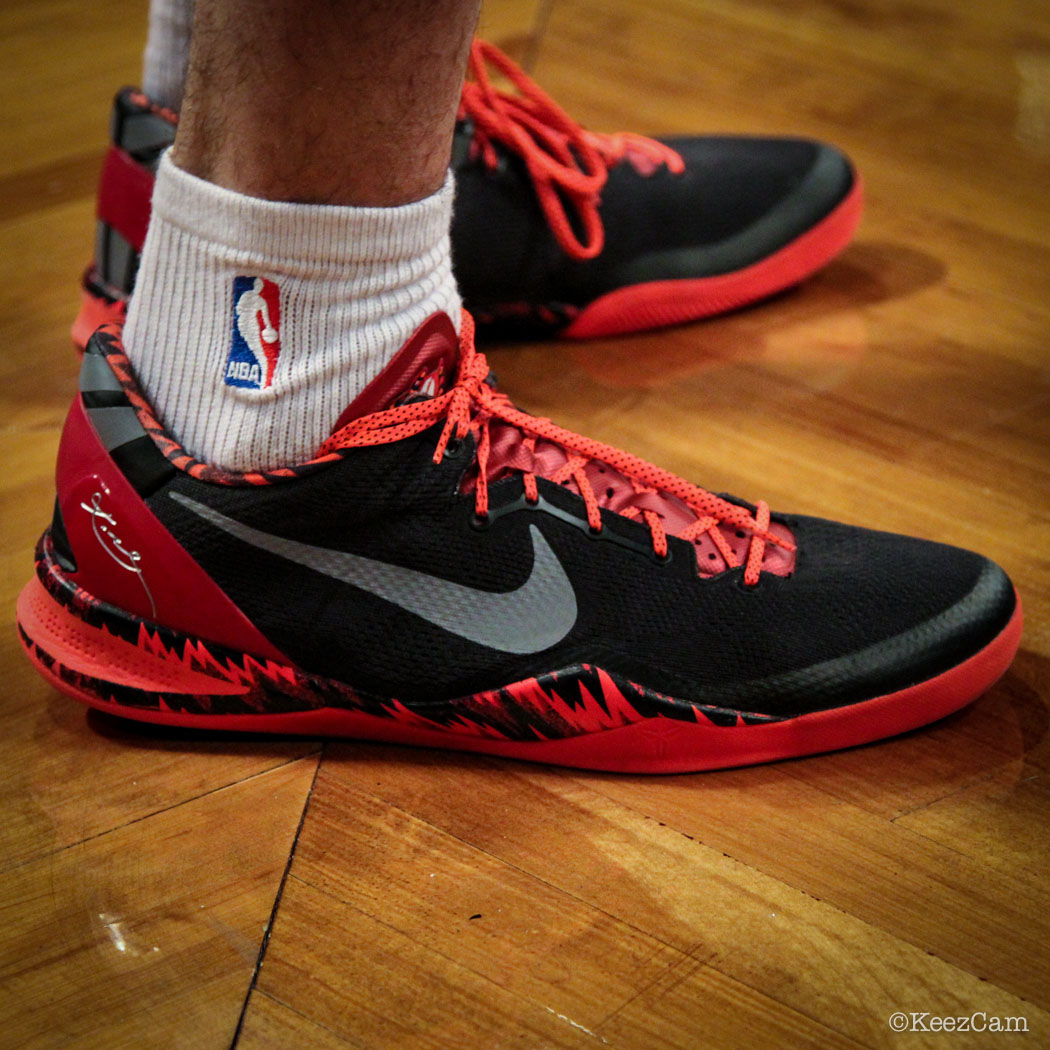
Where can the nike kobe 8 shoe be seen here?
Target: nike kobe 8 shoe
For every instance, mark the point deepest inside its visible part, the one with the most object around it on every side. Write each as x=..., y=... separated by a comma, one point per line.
x=558, y=230
x=450, y=571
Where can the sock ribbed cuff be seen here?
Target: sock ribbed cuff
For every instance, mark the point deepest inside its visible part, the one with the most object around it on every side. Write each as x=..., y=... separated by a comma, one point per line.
x=295, y=238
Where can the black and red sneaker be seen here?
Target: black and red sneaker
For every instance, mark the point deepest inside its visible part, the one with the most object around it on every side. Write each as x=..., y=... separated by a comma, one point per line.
x=452, y=572
x=558, y=230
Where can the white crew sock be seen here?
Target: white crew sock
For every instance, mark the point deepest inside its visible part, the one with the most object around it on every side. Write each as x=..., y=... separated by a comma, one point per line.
x=255, y=323
x=167, y=51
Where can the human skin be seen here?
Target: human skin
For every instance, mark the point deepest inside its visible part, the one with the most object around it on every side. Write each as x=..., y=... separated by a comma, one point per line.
x=324, y=101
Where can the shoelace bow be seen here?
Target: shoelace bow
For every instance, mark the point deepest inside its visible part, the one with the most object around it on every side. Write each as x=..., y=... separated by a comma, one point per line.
x=565, y=162
x=471, y=406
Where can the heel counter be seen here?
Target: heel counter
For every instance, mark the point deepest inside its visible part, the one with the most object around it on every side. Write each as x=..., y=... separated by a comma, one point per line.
x=141, y=127
x=122, y=218
x=140, y=131
x=114, y=546
x=99, y=544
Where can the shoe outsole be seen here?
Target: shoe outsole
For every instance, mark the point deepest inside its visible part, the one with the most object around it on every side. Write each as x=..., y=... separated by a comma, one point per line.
x=159, y=675
x=658, y=304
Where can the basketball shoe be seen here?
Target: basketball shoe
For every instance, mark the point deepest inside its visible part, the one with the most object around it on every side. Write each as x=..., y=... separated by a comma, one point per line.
x=450, y=571
x=558, y=230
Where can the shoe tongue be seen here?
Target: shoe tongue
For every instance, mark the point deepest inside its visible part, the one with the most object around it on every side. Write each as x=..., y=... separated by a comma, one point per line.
x=423, y=368
x=617, y=493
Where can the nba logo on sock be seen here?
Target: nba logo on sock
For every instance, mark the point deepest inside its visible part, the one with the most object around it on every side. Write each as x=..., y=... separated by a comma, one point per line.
x=256, y=342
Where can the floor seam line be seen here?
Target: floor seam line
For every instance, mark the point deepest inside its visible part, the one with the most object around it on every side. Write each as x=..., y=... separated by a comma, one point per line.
x=265, y=943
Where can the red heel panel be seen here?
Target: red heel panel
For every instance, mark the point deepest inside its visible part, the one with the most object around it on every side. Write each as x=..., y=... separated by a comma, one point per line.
x=95, y=311
x=125, y=189
x=125, y=556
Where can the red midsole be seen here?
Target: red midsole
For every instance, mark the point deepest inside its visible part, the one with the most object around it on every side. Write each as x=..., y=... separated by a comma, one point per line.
x=657, y=303
x=58, y=639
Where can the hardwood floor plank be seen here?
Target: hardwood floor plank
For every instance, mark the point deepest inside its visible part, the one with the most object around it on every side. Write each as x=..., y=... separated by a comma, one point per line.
x=917, y=890
x=42, y=258
x=63, y=61
x=997, y=821
x=482, y=914
x=514, y=26
x=270, y=1025
x=60, y=182
x=696, y=1005
x=149, y=934
x=841, y=963
x=927, y=766
x=381, y=988
x=69, y=776
x=1014, y=715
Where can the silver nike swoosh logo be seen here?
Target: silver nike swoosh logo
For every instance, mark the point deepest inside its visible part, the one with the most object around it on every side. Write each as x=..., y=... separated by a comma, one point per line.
x=529, y=619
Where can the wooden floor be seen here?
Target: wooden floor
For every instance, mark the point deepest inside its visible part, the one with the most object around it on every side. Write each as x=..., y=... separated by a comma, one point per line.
x=175, y=890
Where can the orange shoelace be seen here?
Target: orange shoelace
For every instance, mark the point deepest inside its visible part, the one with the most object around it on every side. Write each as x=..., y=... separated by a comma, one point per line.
x=567, y=164
x=472, y=406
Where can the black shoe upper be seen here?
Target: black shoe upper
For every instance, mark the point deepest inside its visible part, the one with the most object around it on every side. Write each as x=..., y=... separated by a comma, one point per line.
x=373, y=569
x=863, y=614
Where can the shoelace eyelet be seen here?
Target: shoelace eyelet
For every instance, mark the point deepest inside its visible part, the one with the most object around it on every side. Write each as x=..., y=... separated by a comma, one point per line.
x=453, y=448
x=480, y=521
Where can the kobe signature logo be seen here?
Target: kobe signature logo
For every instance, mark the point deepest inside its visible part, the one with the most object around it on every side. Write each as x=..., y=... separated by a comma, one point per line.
x=104, y=526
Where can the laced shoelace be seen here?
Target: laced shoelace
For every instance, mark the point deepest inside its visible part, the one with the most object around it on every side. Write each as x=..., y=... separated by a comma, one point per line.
x=472, y=406
x=567, y=164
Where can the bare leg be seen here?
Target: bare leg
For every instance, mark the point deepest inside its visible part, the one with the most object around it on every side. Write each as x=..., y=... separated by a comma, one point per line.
x=325, y=102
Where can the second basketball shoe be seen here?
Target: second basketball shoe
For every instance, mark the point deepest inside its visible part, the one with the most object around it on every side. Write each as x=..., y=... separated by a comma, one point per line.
x=559, y=230
x=449, y=571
